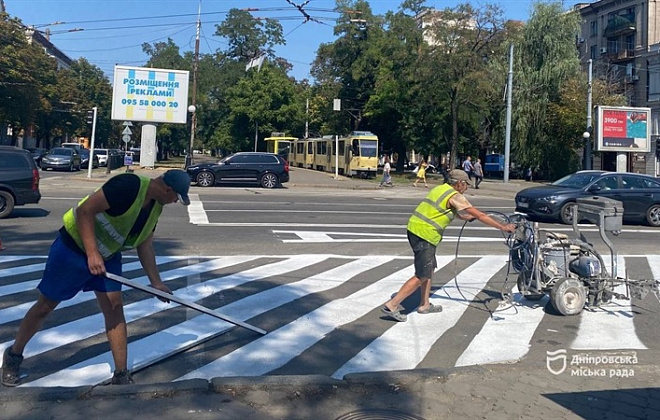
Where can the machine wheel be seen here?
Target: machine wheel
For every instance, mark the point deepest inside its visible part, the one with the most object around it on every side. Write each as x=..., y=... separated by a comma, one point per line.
x=205, y=179
x=653, y=215
x=566, y=213
x=6, y=204
x=269, y=180
x=568, y=296
x=524, y=279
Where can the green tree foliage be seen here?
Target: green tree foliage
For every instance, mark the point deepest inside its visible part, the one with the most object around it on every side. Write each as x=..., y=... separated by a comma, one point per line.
x=249, y=37
x=545, y=61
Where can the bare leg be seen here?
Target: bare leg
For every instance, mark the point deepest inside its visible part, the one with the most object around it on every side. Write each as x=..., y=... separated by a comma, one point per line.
x=406, y=290
x=32, y=322
x=426, y=293
x=115, y=326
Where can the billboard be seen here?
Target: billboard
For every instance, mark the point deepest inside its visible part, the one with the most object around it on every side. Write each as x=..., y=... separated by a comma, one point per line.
x=150, y=95
x=623, y=129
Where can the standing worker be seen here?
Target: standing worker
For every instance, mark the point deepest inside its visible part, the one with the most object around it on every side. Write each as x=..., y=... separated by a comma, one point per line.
x=425, y=229
x=119, y=216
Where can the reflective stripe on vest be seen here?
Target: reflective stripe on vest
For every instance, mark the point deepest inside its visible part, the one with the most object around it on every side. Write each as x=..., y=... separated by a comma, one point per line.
x=433, y=214
x=112, y=232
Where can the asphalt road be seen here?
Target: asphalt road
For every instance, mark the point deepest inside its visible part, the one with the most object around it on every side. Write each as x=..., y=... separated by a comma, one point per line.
x=311, y=266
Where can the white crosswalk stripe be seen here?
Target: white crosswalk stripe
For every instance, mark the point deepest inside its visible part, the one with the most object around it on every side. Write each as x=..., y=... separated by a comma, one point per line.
x=280, y=283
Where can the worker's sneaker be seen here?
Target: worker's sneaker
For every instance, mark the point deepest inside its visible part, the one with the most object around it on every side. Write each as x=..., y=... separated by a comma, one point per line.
x=122, y=377
x=10, y=364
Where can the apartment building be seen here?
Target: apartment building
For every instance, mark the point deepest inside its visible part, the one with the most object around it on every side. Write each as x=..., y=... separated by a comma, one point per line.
x=622, y=38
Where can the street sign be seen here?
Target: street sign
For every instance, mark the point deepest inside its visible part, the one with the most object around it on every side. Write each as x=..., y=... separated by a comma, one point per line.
x=127, y=124
x=127, y=131
x=128, y=160
x=126, y=138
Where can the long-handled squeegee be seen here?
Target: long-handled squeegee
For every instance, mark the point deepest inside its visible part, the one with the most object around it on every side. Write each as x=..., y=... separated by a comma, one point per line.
x=186, y=303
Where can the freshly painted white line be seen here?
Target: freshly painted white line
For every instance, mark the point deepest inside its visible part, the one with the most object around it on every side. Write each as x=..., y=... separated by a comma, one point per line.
x=420, y=332
x=506, y=336
x=280, y=346
x=13, y=313
x=200, y=327
x=196, y=211
x=611, y=326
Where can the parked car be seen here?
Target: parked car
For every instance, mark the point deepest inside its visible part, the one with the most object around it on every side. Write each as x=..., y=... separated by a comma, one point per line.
x=84, y=159
x=37, y=154
x=62, y=158
x=267, y=169
x=19, y=179
x=639, y=194
x=102, y=155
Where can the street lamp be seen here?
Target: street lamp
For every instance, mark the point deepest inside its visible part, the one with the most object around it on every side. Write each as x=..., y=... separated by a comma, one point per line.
x=192, y=110
x=587, y=149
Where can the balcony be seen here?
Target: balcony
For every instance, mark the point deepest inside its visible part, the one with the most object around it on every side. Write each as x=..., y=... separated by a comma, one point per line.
x=620, y=25
x=622, y=55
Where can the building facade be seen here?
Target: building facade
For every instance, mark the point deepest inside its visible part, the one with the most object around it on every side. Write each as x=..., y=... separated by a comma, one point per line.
x=622, y=38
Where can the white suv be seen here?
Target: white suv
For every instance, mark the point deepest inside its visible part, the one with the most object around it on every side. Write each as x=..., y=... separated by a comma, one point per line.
x=102, y=154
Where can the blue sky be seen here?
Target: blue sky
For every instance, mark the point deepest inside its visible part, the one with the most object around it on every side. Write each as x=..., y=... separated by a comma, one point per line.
x=114, y=30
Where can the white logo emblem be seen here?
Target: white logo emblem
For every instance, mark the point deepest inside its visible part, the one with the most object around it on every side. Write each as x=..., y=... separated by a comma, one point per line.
x=551, y=356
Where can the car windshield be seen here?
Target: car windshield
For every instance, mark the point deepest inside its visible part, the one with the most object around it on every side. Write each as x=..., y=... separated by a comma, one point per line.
x=576, y=180
x=101, y=152
x=62, y=151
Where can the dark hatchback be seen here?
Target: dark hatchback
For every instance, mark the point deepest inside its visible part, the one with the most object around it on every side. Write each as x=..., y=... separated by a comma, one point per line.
x=640, y=195
x=266, y=169
x=19, y=179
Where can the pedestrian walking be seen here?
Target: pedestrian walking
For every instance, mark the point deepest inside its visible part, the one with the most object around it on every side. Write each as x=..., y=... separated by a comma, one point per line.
x=119, y=216
x=425, y=229
x=421, y=173
x=467, y=167
x=387, y=177
x=478, y=173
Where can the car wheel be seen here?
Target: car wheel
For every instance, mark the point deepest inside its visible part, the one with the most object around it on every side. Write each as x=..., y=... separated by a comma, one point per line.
x=6, y=204
x=205, y=179
x=653, y=215
x=566, y=213
x=269, y=180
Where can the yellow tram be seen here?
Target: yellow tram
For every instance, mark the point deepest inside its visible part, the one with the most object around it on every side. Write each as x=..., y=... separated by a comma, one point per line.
x=358, y=154
x=280, y=144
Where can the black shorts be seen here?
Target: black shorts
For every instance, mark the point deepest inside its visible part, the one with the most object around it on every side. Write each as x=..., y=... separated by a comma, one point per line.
x=425, y=262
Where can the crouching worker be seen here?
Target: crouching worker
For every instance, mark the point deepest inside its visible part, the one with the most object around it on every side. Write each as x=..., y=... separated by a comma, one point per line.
x=119, y=216
x=425, y=229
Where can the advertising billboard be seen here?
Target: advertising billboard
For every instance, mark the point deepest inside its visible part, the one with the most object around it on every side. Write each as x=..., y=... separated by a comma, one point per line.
x=623, y=129
x=150, y=95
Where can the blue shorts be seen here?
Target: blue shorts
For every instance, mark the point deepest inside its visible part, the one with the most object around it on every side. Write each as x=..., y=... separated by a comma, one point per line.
x=425, y=262
x=66, y=274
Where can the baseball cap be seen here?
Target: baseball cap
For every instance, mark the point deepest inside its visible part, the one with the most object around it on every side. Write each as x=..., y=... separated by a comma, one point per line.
x=459, y=175
x=179, y=181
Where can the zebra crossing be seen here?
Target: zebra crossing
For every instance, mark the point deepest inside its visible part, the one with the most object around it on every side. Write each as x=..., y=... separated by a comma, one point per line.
x=321, y=311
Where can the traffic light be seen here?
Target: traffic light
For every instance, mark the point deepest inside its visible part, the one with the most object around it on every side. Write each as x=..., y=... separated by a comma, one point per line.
x=90, y=117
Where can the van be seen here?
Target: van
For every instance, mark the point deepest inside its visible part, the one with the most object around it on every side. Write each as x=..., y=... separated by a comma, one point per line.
x=19, y=179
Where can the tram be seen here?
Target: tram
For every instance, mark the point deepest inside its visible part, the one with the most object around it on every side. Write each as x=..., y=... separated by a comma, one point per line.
x=358, y=154
x=280, y=144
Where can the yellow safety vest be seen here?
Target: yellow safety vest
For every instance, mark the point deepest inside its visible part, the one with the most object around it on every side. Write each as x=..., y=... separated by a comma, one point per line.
x=112, y=232
x=433, y=214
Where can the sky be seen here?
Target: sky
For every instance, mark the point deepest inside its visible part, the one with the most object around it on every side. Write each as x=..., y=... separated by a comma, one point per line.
x=110, y=32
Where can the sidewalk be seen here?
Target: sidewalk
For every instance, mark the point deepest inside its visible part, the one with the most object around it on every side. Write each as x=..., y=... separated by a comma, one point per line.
x=307, y=178
x=480, y=392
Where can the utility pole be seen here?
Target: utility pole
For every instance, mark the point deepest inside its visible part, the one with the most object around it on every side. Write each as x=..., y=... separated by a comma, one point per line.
x=2, y=6
x=507, y=141
x=587, y=134
x=193, y=107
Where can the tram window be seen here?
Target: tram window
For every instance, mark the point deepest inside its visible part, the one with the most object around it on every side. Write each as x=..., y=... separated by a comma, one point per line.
x=368, y=148
x=300, y=148
x=310, y=148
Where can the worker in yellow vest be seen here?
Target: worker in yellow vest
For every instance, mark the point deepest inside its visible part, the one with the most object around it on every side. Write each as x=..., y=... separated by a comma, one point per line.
x=119, y=216
x=425, y=228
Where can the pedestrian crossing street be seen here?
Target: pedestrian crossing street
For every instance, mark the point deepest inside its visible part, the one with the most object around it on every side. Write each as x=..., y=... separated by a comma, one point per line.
x=322, y=314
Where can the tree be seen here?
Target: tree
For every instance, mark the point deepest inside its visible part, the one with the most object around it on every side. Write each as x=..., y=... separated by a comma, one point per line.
x=546, y=61
x=248, y=37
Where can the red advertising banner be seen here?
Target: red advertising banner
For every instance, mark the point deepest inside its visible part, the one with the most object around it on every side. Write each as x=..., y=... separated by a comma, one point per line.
x=623, y=129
